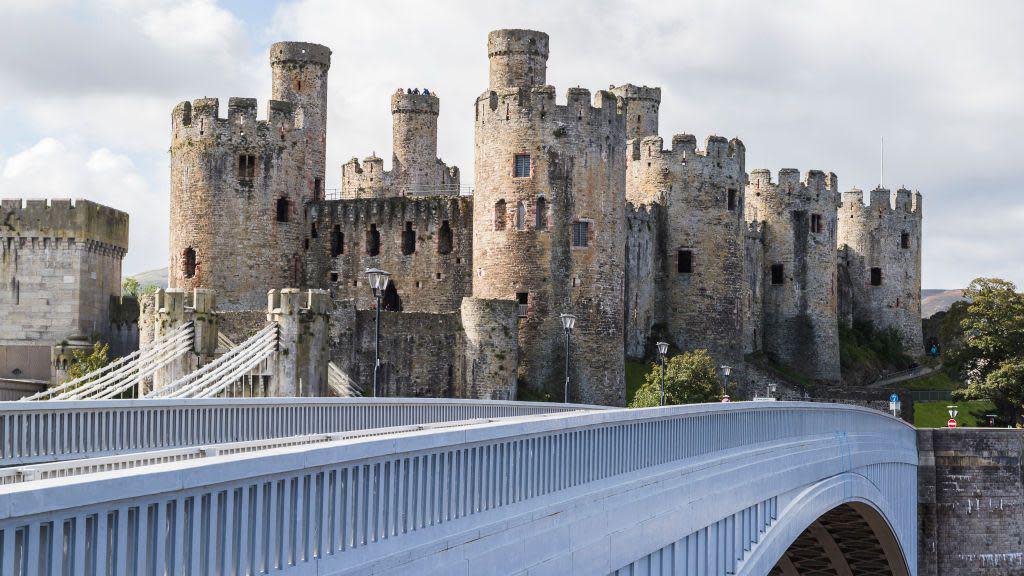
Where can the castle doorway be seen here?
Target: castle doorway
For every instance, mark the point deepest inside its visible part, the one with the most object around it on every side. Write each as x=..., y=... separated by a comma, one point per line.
x=391, y=302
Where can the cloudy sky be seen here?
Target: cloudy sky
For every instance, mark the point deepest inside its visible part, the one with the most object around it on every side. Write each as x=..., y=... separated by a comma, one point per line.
x=88, y=88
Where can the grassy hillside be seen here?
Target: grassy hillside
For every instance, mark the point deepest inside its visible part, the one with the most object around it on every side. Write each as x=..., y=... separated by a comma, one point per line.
x=156, y=278
x=935, y=415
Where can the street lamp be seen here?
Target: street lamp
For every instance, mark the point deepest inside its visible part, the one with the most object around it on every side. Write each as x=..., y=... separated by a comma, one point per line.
x=378, y=282
x=568, y=322
x=726, y=370
x=662, y=351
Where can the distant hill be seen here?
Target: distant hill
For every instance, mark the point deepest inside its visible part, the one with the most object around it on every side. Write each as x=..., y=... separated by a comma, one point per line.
x=156, y=278
x=938, y=300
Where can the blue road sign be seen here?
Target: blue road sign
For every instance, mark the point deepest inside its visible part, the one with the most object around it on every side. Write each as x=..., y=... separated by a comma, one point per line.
x=894, y=398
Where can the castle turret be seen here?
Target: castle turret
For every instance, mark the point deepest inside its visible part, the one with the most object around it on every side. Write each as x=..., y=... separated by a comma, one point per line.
x=883, y=261
x=639, y=106
x=700, y=193
x=548, y=218
x=518, y=58
x=799, y=275
x=415, y=168
x=300, y=77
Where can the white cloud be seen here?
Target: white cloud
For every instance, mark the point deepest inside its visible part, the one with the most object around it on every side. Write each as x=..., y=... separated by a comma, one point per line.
x=53, y=168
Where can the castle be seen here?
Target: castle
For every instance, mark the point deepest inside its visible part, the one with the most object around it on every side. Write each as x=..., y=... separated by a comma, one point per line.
x=576, y=207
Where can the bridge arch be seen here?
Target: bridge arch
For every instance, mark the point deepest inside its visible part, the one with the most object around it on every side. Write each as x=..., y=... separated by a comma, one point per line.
x=841, y=526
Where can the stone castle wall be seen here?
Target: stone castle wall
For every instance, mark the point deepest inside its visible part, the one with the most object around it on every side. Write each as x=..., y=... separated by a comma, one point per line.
x=801, y=328
x=884, y=235
x=60, y=269
x=644, y=272
x=576, y=176
x=970, y=502
x=701, y=191
x=426, y=243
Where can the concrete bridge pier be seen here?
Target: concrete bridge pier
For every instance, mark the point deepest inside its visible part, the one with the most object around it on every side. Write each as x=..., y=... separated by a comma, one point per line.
x=302, y=351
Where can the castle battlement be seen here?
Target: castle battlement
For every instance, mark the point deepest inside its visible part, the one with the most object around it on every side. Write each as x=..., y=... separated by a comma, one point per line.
x=78, y=220
x=684, y=147
x=881, y=200
x=403, y=102
x=814, y=182
x=300, y=53
x=634, y=92
x=506, y=104
x=201, y=118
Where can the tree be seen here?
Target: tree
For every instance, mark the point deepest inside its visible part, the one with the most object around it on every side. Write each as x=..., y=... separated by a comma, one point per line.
x=84, y=362
x=690, y=378
x=1004, y=386
x=129, y=287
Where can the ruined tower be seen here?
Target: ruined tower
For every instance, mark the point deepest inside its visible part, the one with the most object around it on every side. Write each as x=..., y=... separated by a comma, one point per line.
x=700, y=196
x=880, y=248
x=239, y=185
x=548, y=217
x=415, y=168
x=799, y=286
x=299, y=75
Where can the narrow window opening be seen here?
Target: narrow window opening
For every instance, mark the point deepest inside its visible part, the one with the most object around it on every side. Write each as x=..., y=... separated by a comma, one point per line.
x=499, y=215
x=523, y=300
x=778, y=274
x=732, y=199
x=337, y=241
x=522, y=166
x=312, y=231
x=520, y=216
x=816, y=225
x=904, y=240
x=684, y=262
x=318, y=189
x=189, y=262
x=876, y=276
x=282, y=210
x=246, y=169
x=392, y=302
x=373, y=241
x=542, y=214
x=444, y=238
x=580, y=234
x=334, y=276
x=408, y=239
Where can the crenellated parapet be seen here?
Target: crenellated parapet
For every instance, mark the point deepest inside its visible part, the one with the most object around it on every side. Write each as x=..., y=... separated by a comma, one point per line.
x=65, y=222
x=581, y=115
x=198, y=121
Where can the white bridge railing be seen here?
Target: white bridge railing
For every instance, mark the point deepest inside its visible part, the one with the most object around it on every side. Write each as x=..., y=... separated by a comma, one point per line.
x=45, y=432
x=323, y=508
x=124, y=373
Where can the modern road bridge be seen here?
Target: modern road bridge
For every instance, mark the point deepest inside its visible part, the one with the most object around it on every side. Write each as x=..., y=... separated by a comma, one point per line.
x=401, y=486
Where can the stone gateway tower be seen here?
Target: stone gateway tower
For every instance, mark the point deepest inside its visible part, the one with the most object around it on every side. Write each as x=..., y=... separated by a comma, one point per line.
x=801, y=328
x=548, y=218
x=239, y=186
x=880, y=250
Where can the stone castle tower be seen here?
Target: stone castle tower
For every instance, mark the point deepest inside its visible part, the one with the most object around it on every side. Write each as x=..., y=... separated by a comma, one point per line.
x=239, y=186
x=880, y=251
x=801, y=328
x=548, y=217
x=415, y=168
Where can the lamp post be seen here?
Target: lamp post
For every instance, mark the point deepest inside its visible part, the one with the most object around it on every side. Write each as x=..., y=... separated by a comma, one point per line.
x=662, y=351
x=378, y=282
x=568, y=322
x=726, y=370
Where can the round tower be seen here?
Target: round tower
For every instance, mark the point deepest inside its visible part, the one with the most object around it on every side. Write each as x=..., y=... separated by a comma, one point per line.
x=300, y=77
x=414, y=167
x=518, y=58
x=700, y=193
x=549, y=226
x=236, y=203
x=883, y=261
x=801, y=328
x=639, y=106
